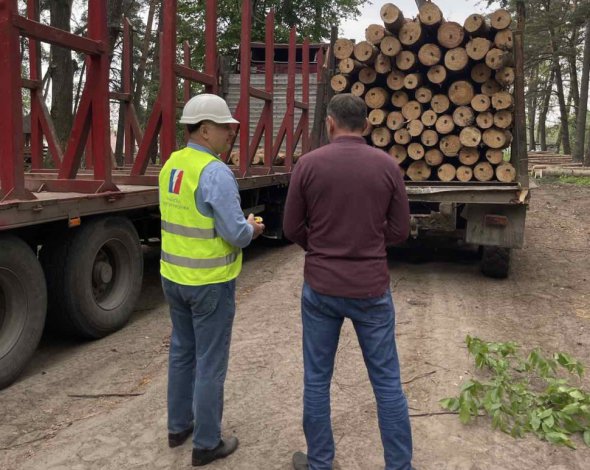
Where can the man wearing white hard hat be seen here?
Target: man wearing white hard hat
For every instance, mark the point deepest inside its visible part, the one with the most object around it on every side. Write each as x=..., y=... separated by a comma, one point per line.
x=203, y=233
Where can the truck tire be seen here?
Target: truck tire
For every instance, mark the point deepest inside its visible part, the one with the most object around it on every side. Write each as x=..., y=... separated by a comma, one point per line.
x=94, y=277
x=495, y=261
x=23, y=305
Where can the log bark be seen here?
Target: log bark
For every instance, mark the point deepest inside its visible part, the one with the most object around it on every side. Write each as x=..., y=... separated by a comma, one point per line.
x=476, y=26
x=392, y=17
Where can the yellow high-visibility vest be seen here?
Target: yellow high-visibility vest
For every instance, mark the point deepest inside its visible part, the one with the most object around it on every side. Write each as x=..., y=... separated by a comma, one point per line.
x=193, y=254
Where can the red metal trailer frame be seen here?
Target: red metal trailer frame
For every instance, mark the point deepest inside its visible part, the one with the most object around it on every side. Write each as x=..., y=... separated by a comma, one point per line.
x=71, y=189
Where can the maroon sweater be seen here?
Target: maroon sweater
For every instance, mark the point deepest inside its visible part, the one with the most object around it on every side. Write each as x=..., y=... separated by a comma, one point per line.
x=346, y=202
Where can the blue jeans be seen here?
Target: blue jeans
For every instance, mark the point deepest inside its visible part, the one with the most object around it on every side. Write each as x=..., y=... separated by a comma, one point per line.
x=202, y=319
x=374, y=321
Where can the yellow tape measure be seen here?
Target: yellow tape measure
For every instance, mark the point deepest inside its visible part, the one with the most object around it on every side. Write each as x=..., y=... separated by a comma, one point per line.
x=258, y=219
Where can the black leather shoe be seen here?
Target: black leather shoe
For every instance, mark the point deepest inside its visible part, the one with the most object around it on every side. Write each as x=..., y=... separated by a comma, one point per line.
x=176, y=439
x=225, y=447
x=300, y=461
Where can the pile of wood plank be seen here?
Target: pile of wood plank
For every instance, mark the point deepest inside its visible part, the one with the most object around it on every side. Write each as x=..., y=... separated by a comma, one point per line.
x=439, y=93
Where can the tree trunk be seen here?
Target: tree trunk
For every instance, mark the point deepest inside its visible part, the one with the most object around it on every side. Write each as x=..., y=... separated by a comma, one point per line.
x=578, y=154
x=545, y=110
x=62, y=74
x=532, y=100
x=560, y=95
x=141, y=68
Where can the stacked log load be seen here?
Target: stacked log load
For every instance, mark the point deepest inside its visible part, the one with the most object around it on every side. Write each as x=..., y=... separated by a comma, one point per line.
x=439, y=93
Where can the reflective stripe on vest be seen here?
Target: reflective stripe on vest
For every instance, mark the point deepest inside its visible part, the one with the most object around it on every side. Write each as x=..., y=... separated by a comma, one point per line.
x=190, y=232
x=199, y=263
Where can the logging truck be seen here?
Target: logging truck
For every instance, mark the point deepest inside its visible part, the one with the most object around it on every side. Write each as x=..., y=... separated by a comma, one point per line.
x=73, y=219
x=447, y=102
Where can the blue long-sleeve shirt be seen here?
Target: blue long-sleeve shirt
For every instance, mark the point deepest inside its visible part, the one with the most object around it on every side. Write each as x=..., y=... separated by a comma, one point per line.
x=218, y=196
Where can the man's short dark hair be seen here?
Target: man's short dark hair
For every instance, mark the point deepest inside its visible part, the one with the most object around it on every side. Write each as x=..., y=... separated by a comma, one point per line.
x=193, y=127
x=349, y=111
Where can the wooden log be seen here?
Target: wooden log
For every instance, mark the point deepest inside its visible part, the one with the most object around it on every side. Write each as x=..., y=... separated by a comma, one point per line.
x=418, y=171
x=477, y=48
x=411, y=34
x=358, y=89
x=433, y=157
x=429, y=54
x=446, y=172
x=365, y=52
x=429, y=138
x=398, y=152
x=412, y=81
x=412, y=110
x=500, y=19
x=496, y=138
x=377, y=116
x=464, y=173
x=376, y=97
x=503, y=119
x=368, y=130
x=505, y=76
x=456, y=59
x=399, y=98
x=484, y=120
x=430, y=15
x=340, y=83
x=349, y=66
x=382, y=64
x=415, y=127
x=481, y=103
x=504, y=39
x=406, y=60
x=444, y=124
x=392, y=17
x=395, y=80
x=402, y=136
x=494, y=156
x=468, y=156
x=450, y=145
x=463, y=116
x=440, y=103
x=429, y=118
x=505, y=173
x=437, y=74
x=450, y=35
x=423, y=95
x=470, y=136
x=368, y=75
x=461, y=93
x=235, y=158
x=481, y=73
x=395, y=120
x=497, y=58
x=490, y=87
x=502, y=100
x=343, y=48
x=483, y=171
x=415, y=151
x=375, y=33
x=381, y=137
x=476, y=26
x=390, y=46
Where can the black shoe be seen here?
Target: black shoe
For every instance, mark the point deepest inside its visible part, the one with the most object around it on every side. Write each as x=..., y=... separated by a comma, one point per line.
x=176, y=439
x=226, y=447
x=300, y=461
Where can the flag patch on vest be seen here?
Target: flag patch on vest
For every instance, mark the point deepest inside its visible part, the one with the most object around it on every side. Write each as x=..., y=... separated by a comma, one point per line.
x=175, y=181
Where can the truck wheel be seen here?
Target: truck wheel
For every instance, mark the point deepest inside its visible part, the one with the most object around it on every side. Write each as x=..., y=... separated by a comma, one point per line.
x=94, y=277
x=23, y=304
x=495, y=261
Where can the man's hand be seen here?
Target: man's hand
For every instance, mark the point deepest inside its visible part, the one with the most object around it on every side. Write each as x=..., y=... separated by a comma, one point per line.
x=258, y=228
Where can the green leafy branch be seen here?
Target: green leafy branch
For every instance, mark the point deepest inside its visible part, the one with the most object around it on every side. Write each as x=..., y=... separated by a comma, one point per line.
x=524, y=394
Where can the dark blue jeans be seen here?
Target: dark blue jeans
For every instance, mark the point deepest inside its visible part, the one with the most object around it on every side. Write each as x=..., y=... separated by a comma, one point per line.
x=202, y=319
x=374, y=321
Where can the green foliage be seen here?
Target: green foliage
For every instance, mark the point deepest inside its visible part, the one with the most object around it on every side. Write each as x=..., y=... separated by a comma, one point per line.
x=524, y=394
x=577, y=180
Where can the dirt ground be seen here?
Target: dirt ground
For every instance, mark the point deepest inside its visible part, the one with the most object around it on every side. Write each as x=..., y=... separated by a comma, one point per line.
x=54, y=417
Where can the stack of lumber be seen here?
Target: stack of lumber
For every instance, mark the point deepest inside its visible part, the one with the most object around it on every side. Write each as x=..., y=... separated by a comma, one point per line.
x=438, y=92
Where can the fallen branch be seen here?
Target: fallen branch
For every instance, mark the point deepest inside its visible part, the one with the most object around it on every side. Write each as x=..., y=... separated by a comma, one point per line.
x=426, y=374
x=105, y=395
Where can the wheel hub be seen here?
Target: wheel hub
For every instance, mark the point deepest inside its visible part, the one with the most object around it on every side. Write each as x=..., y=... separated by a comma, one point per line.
x=103, y=272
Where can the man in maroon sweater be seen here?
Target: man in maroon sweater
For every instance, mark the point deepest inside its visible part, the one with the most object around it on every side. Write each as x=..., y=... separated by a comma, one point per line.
x=346, y=202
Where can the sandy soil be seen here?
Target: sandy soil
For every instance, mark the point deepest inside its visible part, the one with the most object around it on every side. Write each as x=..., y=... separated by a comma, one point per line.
x=52, y=418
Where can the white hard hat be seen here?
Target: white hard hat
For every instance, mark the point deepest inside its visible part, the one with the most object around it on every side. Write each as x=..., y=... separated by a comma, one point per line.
x=206, y=107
